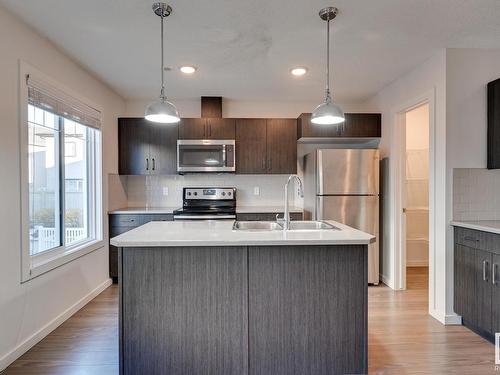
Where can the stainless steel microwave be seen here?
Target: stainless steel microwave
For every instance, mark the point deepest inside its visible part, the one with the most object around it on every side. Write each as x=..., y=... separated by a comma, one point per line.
x=206, y=156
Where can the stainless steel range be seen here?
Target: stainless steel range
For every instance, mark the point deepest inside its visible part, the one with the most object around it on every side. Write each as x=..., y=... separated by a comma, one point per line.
x=207, y=204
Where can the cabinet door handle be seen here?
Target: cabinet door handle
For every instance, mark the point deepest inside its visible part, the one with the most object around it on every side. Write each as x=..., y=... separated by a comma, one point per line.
x=494, y=273
x=153, y=164
x=209, y=129
x=263, y=164
x=485, y=263
x=147, y=164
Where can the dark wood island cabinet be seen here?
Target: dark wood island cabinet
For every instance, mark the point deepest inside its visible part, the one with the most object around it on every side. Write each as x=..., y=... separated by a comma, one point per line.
x=218, y=306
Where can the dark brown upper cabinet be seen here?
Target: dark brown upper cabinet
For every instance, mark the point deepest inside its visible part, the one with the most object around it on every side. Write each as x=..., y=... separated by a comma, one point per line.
x=207, y=128
x=356, y=125
x=251, y=146
x=146, y=148
x=266, y=146
x=282, y=146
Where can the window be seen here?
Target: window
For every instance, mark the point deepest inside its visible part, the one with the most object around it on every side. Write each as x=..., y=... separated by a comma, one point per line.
x=61, y=178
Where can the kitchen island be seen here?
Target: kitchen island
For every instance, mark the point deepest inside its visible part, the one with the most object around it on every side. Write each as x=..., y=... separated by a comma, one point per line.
x=197, y=297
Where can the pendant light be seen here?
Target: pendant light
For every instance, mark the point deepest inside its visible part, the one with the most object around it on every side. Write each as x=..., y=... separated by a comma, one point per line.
x=328, y=113
x=162, y=110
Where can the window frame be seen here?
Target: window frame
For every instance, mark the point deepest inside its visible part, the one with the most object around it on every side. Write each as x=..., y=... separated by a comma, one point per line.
x=38, y=264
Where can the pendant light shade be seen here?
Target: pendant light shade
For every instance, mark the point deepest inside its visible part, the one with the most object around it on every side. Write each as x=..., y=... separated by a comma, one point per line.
x=162, y=111
x=328, y=113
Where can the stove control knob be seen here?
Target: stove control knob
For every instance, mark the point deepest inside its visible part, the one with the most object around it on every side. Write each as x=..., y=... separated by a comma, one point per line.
x=229, y=193
x=189, y=193
x=223, y=194
x=195, y=193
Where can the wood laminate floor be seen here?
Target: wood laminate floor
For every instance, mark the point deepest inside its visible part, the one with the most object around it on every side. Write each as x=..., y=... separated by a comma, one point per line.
x=403, y=339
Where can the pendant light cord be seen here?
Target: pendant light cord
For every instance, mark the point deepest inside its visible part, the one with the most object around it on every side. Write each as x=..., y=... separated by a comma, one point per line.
x=162, y=92
x=327, y=90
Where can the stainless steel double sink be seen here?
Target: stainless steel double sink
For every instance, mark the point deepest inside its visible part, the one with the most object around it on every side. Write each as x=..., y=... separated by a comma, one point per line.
x=263, y=226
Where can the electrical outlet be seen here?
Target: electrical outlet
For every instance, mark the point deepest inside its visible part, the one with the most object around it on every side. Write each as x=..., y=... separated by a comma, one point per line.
x=256, y=190
x=165, y=191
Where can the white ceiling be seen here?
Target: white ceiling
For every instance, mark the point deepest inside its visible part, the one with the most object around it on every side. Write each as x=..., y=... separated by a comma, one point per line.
x=245, y=48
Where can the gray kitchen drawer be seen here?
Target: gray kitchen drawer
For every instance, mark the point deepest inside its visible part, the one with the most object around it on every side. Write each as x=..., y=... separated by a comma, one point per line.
x=126, y=220
x=477, y=239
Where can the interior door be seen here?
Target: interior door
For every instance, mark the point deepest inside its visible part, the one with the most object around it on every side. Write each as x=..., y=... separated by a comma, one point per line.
x=133, y=135
x=348, y=172
x=360, y=212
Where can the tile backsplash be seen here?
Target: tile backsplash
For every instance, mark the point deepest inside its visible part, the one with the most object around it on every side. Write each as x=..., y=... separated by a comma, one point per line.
x=476, y=194
x=166, y=191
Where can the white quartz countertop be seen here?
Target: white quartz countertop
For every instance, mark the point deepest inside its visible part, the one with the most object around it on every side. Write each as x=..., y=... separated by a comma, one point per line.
x=220, y=233
x=170, y=210
x=145, y=210
x=492, y=226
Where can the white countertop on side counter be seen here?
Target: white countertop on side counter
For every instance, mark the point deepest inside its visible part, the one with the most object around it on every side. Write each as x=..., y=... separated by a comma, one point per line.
x=170, y=210
x=220, y=233
x=492, y=226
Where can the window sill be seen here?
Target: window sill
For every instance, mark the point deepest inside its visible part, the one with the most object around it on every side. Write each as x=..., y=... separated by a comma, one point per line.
x=41, y=267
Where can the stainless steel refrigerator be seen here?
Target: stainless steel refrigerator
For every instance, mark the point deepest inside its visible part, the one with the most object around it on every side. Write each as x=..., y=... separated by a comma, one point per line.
x=343, y=185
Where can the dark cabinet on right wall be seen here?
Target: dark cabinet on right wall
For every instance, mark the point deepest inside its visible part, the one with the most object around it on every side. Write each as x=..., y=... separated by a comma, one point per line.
x=356, y=125
x=476, y=285
x=266, y=146
x=494, y=124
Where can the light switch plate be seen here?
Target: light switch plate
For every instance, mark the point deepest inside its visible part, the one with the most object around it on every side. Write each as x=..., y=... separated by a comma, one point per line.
x=256, y=190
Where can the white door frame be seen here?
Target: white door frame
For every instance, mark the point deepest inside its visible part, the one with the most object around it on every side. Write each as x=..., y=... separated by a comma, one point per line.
x=399, y=152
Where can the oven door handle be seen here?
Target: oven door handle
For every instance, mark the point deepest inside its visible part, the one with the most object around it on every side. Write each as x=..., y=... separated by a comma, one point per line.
x=203, y=217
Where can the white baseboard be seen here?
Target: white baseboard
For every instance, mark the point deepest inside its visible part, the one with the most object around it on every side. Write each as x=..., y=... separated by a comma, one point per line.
x=27, y=344
x=449, y=320
x=453, y=320
x=386, y=281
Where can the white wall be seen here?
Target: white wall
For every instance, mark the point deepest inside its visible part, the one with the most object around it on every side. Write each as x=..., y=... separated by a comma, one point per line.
x=428, y=78
x=27, y=310
x=467, y=73
x=239, y=109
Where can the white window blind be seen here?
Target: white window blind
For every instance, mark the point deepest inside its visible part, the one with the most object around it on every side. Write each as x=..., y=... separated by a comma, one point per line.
x=44, y=96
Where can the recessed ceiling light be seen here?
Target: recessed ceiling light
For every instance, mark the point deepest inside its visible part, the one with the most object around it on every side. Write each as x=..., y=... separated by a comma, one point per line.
x=299, y=71
x=187, y=69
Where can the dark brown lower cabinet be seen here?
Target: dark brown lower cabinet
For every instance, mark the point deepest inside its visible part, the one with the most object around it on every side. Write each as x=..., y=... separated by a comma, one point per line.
x=476, y=289
x=297, y=298
x=495, y=293
x=121, y=223
x=266, y=310
x=185, y=311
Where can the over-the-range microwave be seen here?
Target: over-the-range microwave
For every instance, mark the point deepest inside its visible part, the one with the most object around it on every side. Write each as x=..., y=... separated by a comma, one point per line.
x=206, y=155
